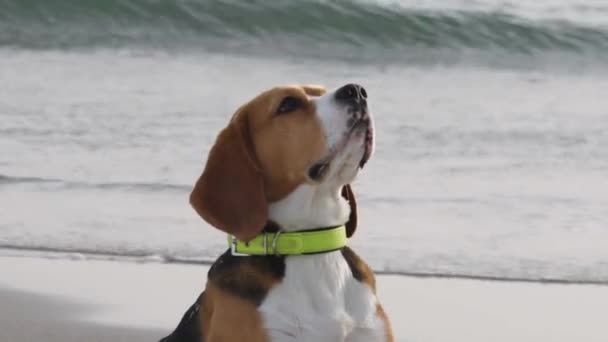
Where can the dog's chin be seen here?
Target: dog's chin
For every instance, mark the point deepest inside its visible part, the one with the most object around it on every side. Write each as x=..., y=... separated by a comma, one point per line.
x=343, y=161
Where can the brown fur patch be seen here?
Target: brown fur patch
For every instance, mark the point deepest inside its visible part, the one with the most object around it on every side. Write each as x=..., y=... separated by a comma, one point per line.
x=227, y=318
x=388, y=330
x=286, y=145
x=360, y=270
x=314, y=90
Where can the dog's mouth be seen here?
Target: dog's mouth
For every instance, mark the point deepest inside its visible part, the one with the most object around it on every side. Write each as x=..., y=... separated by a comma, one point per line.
x=368, y=130
x=317, y=171
x=361, y=126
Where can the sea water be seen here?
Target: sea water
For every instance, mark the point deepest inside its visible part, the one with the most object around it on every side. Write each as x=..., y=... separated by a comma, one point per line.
x=492, y=125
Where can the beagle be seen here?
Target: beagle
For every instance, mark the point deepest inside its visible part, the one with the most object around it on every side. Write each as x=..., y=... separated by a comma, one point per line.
x=277, y=182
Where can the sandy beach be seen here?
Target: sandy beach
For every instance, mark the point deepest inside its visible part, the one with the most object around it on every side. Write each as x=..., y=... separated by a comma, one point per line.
x=29, y=316
x=94, y=300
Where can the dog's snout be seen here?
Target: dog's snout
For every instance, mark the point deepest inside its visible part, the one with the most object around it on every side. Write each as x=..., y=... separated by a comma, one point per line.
x=351, y=92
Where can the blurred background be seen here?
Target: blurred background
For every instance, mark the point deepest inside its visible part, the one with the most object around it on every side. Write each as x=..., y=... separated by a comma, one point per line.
x=491, y=116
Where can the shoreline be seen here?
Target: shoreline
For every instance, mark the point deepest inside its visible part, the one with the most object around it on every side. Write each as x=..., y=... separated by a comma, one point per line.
x=59, y=254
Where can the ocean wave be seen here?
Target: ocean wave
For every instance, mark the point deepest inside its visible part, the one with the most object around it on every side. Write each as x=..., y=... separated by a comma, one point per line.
x=67, y=184
x=310, y=27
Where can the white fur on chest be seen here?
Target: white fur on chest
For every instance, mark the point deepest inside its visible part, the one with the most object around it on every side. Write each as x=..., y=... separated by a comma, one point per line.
x=320, y=300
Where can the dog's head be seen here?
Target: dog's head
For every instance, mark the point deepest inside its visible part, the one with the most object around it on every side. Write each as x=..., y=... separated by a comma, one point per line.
x=285, y=137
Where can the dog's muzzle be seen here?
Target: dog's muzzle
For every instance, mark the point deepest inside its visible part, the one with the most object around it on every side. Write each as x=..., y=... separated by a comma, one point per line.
x=354, y=98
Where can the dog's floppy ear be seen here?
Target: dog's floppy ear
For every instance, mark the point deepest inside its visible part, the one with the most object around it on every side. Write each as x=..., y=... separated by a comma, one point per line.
x=351, y=225
x=229, y=194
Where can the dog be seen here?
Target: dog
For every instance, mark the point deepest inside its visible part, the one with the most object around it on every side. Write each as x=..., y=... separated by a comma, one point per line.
x=277, y=181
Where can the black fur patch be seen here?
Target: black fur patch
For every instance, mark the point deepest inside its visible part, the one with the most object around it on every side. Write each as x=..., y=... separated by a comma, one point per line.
x=228, y=274
x=188, y=329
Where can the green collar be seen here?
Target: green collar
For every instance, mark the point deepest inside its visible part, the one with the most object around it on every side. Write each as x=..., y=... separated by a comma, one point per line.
x=291, y=243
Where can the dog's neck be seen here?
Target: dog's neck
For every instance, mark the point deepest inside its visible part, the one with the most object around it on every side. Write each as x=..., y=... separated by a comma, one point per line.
x=310, y=207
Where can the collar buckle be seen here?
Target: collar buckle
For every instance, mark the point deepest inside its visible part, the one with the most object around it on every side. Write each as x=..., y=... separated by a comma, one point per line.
x=233, y=251
x=234, y=245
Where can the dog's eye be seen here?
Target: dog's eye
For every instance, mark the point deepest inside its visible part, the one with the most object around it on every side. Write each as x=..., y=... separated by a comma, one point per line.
x=289, y=104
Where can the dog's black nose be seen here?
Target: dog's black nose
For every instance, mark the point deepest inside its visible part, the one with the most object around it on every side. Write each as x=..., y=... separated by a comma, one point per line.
x=351, y=92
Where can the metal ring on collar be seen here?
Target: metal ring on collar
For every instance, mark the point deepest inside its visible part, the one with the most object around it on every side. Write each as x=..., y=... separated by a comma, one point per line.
x=274, y=242
x=265, y=243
